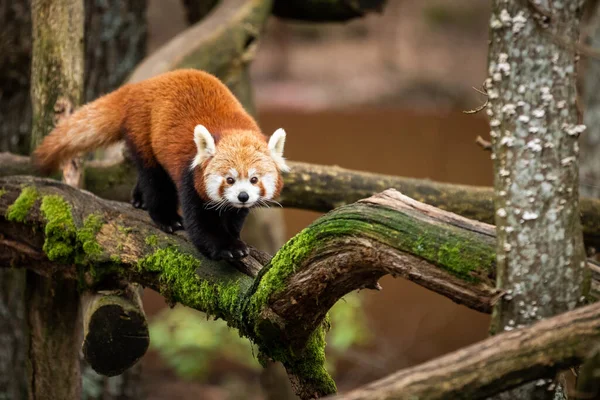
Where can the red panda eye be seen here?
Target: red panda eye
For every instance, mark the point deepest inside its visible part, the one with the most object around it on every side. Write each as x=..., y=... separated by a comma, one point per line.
x=230, y=181
x=253, y=180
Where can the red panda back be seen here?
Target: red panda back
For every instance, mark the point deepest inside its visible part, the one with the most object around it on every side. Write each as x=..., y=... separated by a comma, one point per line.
x=180, y=100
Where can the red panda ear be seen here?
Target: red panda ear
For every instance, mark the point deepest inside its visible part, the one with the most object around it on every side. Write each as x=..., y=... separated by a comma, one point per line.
x=276, y=144
x=205, y=144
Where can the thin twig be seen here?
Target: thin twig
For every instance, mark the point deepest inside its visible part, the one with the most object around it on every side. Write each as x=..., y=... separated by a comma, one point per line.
x=485, y=145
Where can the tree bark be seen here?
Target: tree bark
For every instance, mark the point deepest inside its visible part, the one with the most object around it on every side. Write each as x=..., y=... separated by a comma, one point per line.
x=13, y=336
x=115, y=41
x=498, y=363
x=534, y=129
x=15, y=47
x=589, y=167
x=53, y=302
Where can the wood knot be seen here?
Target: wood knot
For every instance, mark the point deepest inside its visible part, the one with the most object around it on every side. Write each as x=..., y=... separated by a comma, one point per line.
x=62, y=109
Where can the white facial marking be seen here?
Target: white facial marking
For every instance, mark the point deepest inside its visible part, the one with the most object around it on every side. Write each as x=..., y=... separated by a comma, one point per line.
x=269, y=182
x=242, y=185
x=213, y=183
x=205, y=144
x=276, y=144
x=251, y=172
x=233, y=173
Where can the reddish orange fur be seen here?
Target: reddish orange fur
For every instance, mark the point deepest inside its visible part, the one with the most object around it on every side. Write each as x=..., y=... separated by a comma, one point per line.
x=158, y=116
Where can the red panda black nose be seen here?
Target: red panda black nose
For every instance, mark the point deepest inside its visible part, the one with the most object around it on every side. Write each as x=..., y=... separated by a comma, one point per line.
x=243, y=197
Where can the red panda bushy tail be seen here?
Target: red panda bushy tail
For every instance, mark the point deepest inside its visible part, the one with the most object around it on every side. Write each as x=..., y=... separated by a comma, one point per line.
x=96, y=124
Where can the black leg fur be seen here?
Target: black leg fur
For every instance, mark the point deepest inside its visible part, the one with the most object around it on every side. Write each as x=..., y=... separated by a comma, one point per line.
x=137, y=198
x=156, y=192
x=216, y=234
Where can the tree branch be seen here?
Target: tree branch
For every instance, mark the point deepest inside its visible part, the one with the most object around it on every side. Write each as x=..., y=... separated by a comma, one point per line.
x=496, y=364
x=326, y=10
x=221, y=44
x=323, y=188
x=100, y=242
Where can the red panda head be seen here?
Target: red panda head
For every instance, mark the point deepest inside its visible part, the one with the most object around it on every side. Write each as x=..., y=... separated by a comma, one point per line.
x=241, y=170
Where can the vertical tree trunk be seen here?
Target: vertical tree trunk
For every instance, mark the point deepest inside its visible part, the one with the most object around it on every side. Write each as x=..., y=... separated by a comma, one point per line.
x=115, y=41
x=15, y=47
x=53, y=303
x=590, y=139
x=534, y=128
x=13, y=336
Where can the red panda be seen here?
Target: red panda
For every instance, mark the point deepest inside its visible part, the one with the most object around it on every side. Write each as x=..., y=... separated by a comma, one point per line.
x=194, y=146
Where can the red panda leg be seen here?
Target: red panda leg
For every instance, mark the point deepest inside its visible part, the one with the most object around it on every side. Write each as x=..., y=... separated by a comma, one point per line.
x=137, y=197
x=216, y=234
x=159, y=196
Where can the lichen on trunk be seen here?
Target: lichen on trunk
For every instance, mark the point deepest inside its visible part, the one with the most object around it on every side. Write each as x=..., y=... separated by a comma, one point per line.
x=53, y=302
x=534, y=129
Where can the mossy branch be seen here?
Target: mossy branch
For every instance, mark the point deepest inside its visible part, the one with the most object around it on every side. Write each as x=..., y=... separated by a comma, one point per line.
x=282, y=310
x=323, y=188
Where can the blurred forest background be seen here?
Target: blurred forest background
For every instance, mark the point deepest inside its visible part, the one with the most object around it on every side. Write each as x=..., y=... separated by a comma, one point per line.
x=385, y=94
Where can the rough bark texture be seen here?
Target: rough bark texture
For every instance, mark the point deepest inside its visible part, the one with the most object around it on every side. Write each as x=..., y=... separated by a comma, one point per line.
x=589, y=167
x=534, y=129
x=53, y=302
x=495, y=364
x=323, y=188
x=13, y=336
x=55, y=333
x=15, y=47
x=115, y=41
x=326, y=10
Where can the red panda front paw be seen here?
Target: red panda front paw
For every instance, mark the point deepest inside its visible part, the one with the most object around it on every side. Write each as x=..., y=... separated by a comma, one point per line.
x=235, y=250
x=171, y=226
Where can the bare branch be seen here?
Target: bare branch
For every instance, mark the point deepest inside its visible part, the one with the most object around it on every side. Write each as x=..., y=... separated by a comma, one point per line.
x=496, y=364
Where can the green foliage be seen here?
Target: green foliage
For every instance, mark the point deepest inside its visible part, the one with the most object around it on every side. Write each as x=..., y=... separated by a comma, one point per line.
x=19, y=210
x=348, y=323
x=2, y=192
x=191, y=346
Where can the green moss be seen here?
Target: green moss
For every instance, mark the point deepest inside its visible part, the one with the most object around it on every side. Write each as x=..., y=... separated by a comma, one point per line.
x=63, y=241
x=178, y=274
x=60, y=231
x=282, y=266
x=19, y=210
x=310, y=365
x=115, y=258
x=152, y=240
x=124, y=230
x=2, y=192
x=86, y=236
